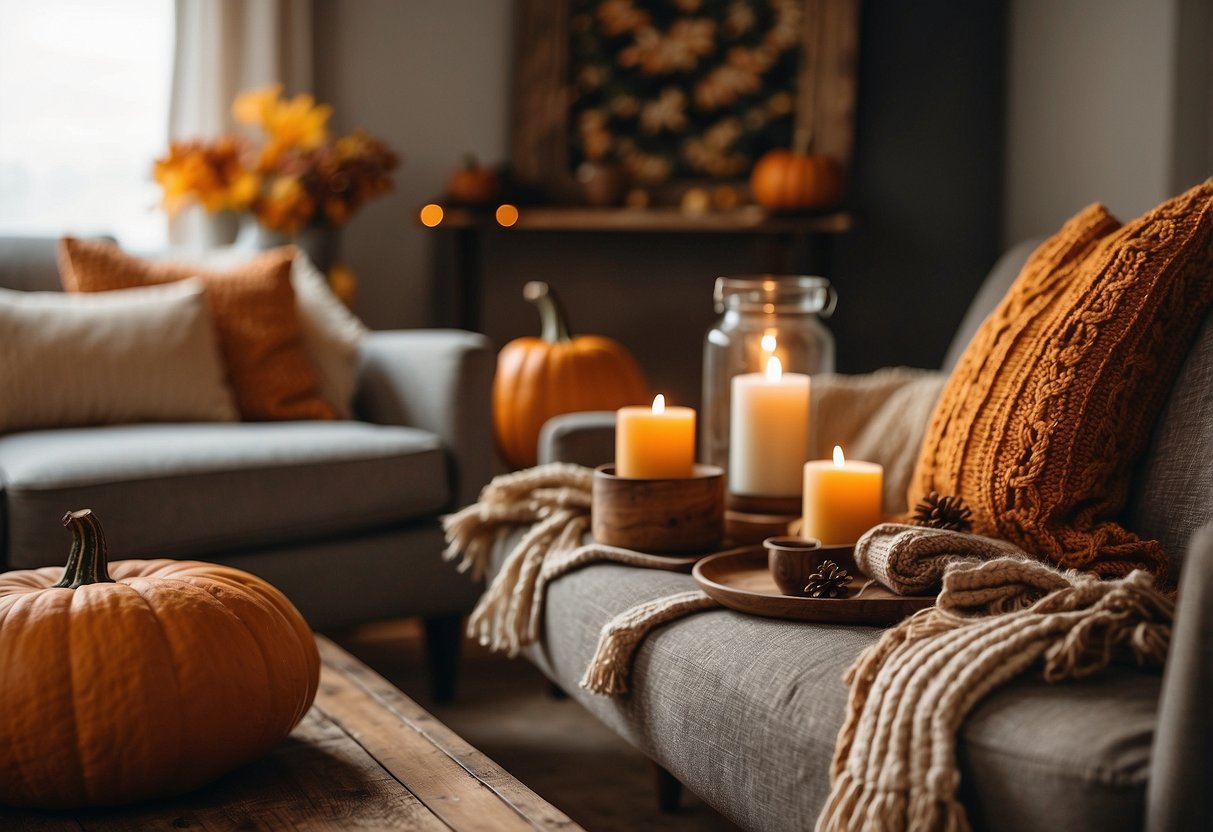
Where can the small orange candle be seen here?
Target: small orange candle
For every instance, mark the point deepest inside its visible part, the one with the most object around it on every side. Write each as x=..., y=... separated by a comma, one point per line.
x=655, y=443
x=842, y=498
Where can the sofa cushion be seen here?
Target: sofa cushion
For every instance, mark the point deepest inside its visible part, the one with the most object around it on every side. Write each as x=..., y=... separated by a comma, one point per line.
x=197, y=490
x=253, y=308
x=137, y=355
x=746, y=710
x=1053, y=402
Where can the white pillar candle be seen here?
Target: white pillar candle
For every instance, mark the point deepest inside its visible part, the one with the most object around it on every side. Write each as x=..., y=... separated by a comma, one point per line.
x=768, y=432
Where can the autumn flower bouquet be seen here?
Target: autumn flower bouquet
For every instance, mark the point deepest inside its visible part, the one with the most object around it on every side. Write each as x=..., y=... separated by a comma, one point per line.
x=298, y=177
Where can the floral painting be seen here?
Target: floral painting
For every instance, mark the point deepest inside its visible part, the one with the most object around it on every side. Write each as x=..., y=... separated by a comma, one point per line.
x=676, y=89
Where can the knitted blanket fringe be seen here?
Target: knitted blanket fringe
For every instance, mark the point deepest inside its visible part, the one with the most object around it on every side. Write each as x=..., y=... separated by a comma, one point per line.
x=895, y=765
x=554, y=498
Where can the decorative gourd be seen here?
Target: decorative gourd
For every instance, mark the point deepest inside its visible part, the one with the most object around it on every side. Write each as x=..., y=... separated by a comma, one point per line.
x=538, y=378
x=145, y=684
x=785, y=181
x=472, y=184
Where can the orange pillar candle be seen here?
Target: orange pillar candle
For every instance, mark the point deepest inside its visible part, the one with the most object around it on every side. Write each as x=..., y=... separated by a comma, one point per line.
x=842, y=499
x=655, y=443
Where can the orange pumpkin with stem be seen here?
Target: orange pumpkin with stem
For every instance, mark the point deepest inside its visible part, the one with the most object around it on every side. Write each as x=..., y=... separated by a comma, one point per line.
x=538, y=378
x=140, y=679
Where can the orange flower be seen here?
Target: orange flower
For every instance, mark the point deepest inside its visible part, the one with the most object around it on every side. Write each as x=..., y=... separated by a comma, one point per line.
x=298, y=177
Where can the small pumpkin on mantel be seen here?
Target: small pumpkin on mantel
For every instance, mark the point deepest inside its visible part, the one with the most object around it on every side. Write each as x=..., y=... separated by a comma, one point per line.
x=789, y=181
x=473, y=184
x=142, y=678
x=558, y=372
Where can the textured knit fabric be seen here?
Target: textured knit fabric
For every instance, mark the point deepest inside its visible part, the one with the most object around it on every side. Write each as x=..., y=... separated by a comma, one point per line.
x=895, y=766
x=910, y=560
x=253, y=309
x=1052, y=403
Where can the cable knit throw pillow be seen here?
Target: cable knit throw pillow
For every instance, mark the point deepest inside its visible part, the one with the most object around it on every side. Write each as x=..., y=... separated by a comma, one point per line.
x=1053, y=401
x=253, y=309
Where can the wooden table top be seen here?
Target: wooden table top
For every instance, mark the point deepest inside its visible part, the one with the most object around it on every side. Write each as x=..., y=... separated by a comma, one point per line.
x=366, y=756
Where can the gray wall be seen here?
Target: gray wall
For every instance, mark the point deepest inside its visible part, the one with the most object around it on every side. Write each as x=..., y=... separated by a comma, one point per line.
x=1108, y=102
x=431, y=77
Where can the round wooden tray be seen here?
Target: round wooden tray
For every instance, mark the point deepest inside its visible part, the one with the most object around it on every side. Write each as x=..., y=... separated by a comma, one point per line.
x=741, y=581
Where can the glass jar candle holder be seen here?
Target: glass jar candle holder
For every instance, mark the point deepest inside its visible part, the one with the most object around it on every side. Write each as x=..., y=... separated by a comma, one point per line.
x=761, y=317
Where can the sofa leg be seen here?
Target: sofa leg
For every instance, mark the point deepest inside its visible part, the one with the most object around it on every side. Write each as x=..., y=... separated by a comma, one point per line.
x=443, y=636
x=669, y=790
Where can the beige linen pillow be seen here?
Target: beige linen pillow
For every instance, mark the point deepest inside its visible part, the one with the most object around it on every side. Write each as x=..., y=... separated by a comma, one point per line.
x=133, y=355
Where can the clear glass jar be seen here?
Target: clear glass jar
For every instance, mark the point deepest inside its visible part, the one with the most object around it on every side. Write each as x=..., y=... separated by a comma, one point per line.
x=760, y=316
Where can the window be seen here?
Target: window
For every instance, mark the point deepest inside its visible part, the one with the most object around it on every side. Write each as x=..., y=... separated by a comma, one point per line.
x=84, y=98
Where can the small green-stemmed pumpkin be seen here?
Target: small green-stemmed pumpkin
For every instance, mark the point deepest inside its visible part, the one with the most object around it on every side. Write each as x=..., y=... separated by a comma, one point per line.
x=139, y=679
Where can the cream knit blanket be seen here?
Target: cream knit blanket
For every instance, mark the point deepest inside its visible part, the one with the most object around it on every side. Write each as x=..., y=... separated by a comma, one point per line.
x=895, y=759
x=555, y=498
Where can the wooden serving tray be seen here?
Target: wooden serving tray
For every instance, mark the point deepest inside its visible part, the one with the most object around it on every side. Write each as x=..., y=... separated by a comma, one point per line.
x=741, y=581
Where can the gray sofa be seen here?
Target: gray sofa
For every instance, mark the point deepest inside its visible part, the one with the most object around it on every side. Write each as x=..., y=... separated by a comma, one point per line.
x=341, y=516
x=745, y=710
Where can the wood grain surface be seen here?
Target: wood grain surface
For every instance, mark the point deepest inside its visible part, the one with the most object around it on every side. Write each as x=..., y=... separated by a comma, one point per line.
x=663, y=516
x=364, y=757
x=741, y=580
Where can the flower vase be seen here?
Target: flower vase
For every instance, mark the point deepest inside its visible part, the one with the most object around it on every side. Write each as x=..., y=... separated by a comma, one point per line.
x=319, y=243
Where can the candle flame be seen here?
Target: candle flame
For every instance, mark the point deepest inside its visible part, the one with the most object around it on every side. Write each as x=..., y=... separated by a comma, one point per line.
x=659, y=404
x=838, y=457
x=774, y=369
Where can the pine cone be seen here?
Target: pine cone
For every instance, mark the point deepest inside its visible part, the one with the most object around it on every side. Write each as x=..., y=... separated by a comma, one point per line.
x=943, y=513
x=829, y=581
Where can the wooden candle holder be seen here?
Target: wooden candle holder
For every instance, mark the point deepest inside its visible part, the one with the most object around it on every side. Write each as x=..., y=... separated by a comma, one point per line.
x=660, y=516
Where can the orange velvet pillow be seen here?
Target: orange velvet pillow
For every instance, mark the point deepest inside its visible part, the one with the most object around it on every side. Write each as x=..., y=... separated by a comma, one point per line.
x=1053, y=401
x=254, y=313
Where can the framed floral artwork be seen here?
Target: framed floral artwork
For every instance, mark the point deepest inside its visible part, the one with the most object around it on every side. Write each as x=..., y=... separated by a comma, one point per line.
x=678, y=92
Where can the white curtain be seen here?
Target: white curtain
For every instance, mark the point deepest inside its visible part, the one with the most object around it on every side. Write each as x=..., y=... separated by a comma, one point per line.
x=224, y=47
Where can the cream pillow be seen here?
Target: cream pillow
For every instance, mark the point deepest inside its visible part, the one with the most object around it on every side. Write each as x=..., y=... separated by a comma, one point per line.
x=132, y=355
x=331, y=334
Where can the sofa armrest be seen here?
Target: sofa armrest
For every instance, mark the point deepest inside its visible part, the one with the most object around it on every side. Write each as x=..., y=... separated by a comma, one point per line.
x=1178, y=796
x=585, y=438
x=440, y=381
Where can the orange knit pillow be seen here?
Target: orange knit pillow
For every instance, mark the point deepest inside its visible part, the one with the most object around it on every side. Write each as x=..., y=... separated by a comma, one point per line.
x=252, y=307
x=1054, y=399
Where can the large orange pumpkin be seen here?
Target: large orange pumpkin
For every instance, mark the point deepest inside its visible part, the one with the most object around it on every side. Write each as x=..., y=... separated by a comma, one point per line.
x=784, y=181
x=144, y=684
x=538, y=378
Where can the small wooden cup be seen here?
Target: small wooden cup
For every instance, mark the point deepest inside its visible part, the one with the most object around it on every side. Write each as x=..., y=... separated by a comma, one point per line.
x=793, y=559
x=660, y=516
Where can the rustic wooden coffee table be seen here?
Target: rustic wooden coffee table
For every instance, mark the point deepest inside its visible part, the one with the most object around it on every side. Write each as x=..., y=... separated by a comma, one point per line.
x=365, y=757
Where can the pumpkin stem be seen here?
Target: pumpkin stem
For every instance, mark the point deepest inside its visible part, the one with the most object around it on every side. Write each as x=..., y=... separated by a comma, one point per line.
x=88, y=561
x=551, y=314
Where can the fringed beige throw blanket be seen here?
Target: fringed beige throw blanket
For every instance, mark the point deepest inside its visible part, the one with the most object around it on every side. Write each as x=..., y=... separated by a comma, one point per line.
x=556, y=499
x=998, y=613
